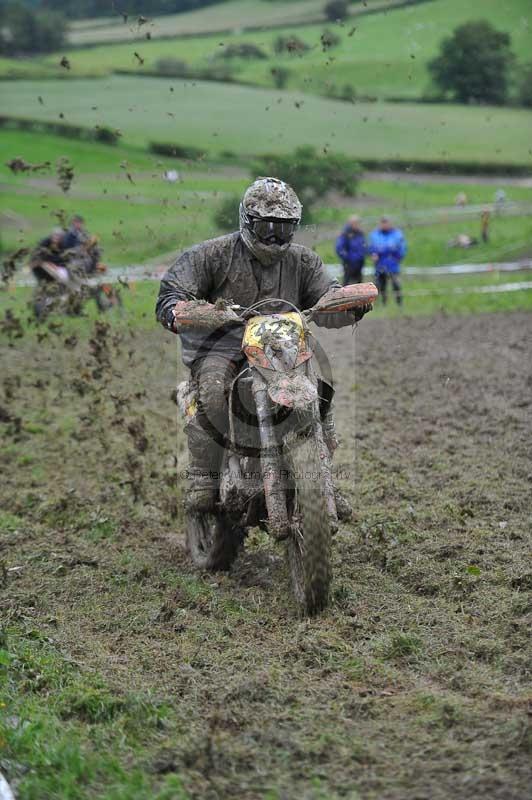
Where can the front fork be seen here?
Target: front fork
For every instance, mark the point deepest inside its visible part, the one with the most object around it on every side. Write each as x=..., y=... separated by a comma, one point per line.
x=271, y=461
x=324, y=456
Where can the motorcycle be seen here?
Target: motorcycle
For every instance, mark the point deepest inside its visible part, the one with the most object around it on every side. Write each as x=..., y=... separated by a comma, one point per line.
x=276, y=468
x=65, y=289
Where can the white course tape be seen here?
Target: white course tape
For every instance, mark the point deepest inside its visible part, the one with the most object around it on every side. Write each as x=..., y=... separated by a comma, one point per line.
x=518, y=286
x=450, y=269
x=5, y=791
x=139, y=272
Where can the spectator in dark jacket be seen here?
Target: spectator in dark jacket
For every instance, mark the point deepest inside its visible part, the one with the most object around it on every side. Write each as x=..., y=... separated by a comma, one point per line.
x=351, y=248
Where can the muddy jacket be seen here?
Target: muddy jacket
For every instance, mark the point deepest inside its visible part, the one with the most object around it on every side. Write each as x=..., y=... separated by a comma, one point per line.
x=225, y=268
x=47, y=251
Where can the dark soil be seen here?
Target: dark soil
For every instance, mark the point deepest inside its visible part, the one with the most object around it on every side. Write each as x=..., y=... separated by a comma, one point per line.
x=414, y=684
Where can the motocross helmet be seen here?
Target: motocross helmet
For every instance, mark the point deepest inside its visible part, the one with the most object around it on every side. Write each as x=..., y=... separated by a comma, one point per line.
x=270, y=213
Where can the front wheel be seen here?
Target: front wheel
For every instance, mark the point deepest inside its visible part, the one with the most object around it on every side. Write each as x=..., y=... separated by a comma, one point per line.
x=309, y=544
x=212, y=542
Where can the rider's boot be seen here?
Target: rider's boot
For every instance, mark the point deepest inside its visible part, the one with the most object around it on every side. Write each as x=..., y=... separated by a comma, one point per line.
x=202, y=491
x=204, y=459
x=212, y=377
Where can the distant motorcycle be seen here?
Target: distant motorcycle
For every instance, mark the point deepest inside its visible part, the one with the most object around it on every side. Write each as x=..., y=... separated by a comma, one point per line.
x=66, y=288
x=276, y=468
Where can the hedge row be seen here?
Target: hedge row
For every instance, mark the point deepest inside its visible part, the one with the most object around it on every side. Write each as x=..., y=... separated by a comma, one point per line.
x=96, y=134
x=447, y=167
x=172, y=150
x=218, y=73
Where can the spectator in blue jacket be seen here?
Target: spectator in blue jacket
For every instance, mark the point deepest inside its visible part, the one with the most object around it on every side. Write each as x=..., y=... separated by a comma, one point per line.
x=387, y=247
x=351, y=248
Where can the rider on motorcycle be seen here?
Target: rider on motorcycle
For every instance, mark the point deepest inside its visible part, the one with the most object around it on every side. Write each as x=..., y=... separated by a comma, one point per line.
x=50, y=250
x=256, y=263
x=84, y=246
x=76, y=232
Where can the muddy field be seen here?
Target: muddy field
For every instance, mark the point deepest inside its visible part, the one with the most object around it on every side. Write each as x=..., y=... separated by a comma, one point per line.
x=415, y=684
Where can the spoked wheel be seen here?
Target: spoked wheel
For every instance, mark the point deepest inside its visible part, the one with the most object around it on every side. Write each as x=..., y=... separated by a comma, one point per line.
x=213, y=543
x=309, y=546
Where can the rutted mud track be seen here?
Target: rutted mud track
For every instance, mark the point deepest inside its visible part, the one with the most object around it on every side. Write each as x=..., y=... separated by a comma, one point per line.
x=415, y=684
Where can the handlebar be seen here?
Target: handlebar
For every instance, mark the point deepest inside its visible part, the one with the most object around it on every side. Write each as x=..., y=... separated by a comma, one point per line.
x=249, y=311
x=201, y=314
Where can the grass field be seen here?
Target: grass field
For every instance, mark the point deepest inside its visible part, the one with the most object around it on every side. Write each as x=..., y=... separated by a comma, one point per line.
x=127, y=674
x=249, y=121
x=145, y=217
x=386, y=56
x=27, y=68
x=136, y=219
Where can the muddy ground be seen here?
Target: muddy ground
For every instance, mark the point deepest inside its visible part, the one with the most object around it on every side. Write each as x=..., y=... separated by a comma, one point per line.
x=416, y=682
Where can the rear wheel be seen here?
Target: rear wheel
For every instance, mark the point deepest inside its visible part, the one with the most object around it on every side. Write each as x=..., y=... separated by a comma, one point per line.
x=212, y=542
x=309, y=545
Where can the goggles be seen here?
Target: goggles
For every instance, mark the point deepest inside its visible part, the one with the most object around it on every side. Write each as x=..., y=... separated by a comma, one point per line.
x=274, y=230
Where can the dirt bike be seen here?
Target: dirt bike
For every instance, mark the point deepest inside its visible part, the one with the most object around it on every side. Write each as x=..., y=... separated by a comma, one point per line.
x=65, y=289
x=276, y=468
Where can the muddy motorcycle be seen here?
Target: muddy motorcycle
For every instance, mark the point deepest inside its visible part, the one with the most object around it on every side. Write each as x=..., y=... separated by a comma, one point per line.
x=276, y=468
x=65, y=289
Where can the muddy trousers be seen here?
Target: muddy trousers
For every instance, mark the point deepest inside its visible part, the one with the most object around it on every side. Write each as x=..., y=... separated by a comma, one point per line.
x=381, y=279
x=211, y=377
x=353, y=272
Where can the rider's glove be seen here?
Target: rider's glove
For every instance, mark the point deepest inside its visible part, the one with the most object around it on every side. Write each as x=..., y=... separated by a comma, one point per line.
x=168, y=320
x=342, y=318
x=198, y=315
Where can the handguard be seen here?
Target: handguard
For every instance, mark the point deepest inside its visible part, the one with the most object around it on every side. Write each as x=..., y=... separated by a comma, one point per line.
x=343, y=305
x=200, y=315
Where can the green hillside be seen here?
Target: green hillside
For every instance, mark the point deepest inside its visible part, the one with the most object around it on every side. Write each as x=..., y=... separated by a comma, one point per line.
x=249, y=121
x=383, y=55
x=224, y=17
x=139, y=215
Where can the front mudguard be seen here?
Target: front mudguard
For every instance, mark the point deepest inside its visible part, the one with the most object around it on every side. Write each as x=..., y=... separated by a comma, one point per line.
x=292, y=390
